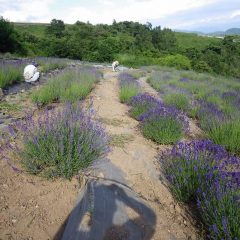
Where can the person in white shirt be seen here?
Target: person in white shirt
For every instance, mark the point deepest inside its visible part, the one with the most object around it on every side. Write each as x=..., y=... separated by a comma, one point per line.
x=115, y=65
x=31, y=73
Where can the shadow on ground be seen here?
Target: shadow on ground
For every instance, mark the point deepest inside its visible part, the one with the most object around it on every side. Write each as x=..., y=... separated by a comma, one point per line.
x=108, y=210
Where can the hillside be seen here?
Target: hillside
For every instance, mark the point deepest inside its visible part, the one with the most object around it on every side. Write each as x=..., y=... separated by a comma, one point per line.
x=184, y=40
x=132, y=43
x=192, y=40
x=230, y=31
x=36, y=29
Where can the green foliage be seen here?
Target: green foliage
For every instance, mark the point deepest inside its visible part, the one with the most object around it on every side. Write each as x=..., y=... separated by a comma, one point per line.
x=178, y=61
x=133, y=44
x=70, y=86
x=201, y=66
x=10, y=73
x=48, y=64
x=186, y=41
x=226, y=134
x=60, y=143
x=138, y=110
x=56, y=28
x=135, y=60
x=9, y=38
x=163, y=130
x=136, y=74
x=164, y=39
x=186, y=180
x=179, y=100
x=127, y=92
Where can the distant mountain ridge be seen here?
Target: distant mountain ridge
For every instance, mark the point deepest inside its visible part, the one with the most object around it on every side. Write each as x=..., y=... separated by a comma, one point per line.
x=230, y=31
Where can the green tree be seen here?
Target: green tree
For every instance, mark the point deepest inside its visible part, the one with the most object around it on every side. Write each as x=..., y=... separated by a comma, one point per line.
x=56, y=28
x=9, y=38
x=164, y=39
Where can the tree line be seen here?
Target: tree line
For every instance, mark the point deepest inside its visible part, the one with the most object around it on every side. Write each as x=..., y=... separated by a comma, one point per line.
x=132, y=42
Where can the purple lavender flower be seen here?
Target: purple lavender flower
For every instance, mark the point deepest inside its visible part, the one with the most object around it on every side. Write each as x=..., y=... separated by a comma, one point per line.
x=126, y=79
x=61, y=142
x=184, y=79
x=165, y=111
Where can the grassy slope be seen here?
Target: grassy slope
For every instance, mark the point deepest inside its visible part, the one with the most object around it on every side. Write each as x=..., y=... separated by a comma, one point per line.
x=185, y=40
x=188, y=40
x=36, y=29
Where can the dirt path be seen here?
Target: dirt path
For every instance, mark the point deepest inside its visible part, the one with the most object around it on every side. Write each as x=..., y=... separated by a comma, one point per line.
x=137, y=161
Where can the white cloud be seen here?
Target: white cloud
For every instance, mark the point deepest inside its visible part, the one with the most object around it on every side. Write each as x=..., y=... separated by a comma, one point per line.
x=235, y=13
x=100, y=11
x=25, y=10
x=133, y=10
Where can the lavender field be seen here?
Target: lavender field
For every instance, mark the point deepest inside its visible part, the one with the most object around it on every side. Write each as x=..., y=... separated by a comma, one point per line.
x=204, y=171
x=146, y=116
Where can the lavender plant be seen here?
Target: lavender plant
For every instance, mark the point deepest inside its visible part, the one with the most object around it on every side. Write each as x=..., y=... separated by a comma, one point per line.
x=210, y=115
x=220, y=209
x=186, y=165
x=47, y=64
x=61, y=142
x=178, y=100
x=227, y=134
x=129, y=87
x=203, y=172
x=142, y=103
x=70, y=86
x=11, y=72
x=164, y=125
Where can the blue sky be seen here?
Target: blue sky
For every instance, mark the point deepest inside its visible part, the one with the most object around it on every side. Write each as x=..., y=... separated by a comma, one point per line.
x=199, y=15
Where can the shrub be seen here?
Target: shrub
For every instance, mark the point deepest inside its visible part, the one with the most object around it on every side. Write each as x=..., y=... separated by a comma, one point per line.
x=164, y=125
x=48, y=64
x=209, y=115
x=178, y=61
x=142, y=103
x=179, y=100
x=162, y=130
x=187, y=164
x=136, y=74
x=203, y=172
x=10, y=72
x=136, y=60
x=70, y=86
x=226, y=134
x=61, y=142
x=129, y=87
x=220, y=209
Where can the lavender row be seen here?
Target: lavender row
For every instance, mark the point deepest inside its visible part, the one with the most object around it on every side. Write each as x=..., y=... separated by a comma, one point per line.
x=60, y=142
x=159, y=122
x=129, y=87
x=212, y=101
x=206, y=174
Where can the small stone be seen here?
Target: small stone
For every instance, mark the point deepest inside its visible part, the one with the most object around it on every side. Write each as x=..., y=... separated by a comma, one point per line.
x=184, y=222
x=172, y=210
x=14, y=220
x=23, y=90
